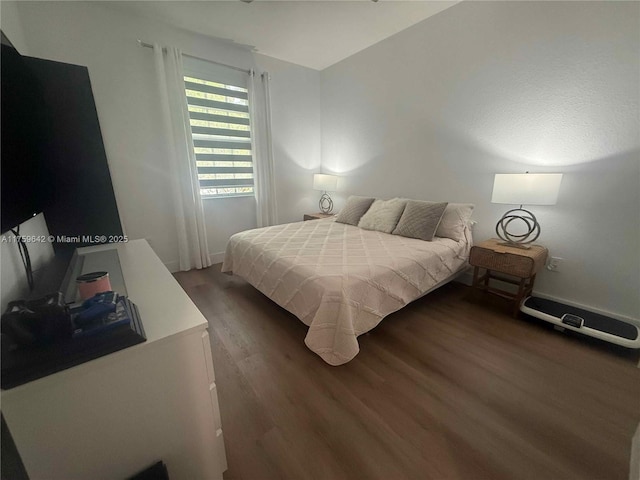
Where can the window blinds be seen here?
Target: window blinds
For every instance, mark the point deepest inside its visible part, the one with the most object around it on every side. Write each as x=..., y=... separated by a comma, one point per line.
x=221, y=129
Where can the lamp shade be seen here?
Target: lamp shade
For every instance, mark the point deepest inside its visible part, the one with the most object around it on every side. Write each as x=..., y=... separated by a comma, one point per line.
x=324, y=182
x=526, y=188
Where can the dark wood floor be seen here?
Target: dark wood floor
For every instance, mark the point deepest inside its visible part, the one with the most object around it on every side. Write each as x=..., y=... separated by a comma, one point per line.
x=451, y=387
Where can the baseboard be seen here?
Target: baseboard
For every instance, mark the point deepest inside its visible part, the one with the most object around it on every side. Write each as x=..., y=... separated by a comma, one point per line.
x=216, y=257
x=173, y=267
x=466, y=277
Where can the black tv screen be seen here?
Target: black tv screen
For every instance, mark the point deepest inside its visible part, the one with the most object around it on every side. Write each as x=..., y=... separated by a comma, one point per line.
x=53, y=157
x=82, y=202
x=24, y=141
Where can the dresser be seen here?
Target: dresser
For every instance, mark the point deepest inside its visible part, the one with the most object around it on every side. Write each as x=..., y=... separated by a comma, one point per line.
x=113, y=416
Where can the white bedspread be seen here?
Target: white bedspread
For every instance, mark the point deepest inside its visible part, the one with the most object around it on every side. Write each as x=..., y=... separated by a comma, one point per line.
x=338, y=279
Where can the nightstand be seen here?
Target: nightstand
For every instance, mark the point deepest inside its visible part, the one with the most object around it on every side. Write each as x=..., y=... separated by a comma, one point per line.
x=316, y=216
x=512, y=265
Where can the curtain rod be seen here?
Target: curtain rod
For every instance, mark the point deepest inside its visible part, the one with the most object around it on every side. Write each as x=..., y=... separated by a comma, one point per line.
x=250, y=72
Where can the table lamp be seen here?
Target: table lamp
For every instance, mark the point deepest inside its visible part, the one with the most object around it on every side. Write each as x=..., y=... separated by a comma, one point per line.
x=523, y=189
x=325, y=183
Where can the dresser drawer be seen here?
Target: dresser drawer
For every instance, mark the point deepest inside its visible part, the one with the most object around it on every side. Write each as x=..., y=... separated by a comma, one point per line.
x=504, y=259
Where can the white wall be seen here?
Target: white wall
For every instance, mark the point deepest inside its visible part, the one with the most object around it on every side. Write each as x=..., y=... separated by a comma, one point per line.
x=12, y=26
x=296, y=121
x=101, y=37
x=505, y=87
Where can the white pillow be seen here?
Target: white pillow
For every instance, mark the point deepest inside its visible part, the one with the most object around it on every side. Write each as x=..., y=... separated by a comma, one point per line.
x=383, y=215
x=455, y=217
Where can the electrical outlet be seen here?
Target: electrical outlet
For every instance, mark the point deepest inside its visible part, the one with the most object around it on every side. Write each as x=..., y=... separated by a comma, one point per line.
x=554, y=264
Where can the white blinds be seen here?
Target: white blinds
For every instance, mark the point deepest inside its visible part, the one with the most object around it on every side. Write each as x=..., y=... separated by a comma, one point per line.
x=221, y=128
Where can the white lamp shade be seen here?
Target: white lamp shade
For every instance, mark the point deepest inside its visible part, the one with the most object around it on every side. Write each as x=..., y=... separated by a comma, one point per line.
x=324, y=182
x=526, y=188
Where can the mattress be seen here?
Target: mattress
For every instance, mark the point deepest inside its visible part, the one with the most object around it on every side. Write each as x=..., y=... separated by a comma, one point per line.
x=341, y=280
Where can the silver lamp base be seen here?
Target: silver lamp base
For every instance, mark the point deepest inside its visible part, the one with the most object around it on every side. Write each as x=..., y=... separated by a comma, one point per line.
x=325, y=203
x=521, y=240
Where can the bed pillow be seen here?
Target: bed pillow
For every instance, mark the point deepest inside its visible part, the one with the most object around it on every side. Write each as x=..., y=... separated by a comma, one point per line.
x=383, y=215
x=420, y=219
x=456, y=217
x=355, y=208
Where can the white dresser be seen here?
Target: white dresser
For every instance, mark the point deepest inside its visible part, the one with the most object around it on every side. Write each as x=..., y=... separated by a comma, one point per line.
x=114, y=416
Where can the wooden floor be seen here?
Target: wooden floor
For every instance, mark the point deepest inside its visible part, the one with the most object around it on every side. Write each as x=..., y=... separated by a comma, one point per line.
x=450, y=387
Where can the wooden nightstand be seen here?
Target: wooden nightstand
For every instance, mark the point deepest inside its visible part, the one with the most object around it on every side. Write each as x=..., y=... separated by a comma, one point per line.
x=316, y=216
x=519, y=265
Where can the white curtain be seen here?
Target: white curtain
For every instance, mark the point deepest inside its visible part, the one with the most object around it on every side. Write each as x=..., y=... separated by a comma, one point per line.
x=193, y=250
x=264, y=174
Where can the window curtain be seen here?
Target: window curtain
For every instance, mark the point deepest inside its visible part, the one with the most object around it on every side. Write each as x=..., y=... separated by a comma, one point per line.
x=193, y=250
x=263, y=164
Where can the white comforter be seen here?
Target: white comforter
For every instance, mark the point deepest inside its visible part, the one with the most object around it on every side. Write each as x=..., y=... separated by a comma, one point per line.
x=340, y=280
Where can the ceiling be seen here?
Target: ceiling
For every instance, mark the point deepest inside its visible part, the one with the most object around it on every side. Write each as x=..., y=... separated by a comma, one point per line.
x=315, y=34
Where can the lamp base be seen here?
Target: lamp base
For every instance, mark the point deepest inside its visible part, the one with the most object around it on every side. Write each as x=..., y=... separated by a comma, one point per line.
x=325, y=203
x=514, y=239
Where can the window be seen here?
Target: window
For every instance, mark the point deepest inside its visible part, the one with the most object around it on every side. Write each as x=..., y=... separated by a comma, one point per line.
x=221, y=128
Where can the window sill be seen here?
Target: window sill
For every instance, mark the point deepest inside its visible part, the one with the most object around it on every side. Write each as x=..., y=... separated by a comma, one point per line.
x=222, y=197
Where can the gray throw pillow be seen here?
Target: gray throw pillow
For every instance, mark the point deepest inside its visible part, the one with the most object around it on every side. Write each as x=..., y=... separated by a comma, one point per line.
x=455, y=219
x=383, y=215
x=355, y=208
x=420, y=219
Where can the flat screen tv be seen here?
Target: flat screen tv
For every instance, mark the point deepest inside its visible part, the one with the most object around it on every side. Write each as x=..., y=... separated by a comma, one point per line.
x=82, y=202
x=53, y=157
x=24, y=139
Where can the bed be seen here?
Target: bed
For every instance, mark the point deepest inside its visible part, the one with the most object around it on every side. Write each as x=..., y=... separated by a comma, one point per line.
x=341, y=280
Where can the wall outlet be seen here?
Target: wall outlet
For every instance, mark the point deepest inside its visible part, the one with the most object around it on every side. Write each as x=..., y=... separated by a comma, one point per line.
x=554, y=264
